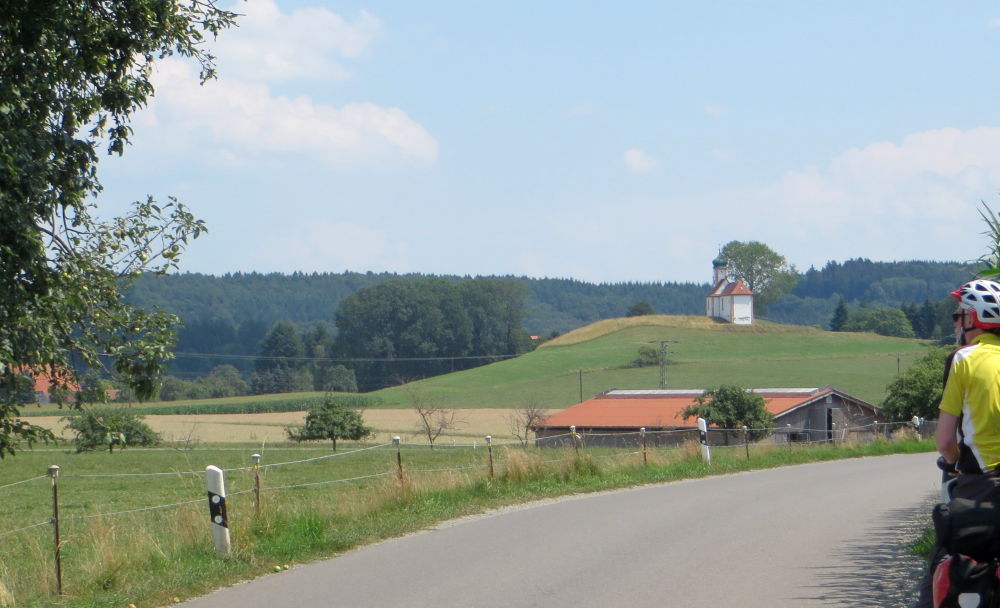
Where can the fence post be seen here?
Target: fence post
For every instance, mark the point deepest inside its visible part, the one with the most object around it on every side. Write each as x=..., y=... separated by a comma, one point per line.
x=399, y=460
x=54, y=474
x=489, y=448
x=746, y=440
x=706, y=453
x=576, y=439
x=642, y=437
x=216, y=482
x=788, y=438
x=256, y=483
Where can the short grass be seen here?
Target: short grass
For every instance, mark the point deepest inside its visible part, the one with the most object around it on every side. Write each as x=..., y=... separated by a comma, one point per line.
x=131, y=537
x=702, y=354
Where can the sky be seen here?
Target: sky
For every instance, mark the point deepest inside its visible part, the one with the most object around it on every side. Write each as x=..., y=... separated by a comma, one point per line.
x=601, y=141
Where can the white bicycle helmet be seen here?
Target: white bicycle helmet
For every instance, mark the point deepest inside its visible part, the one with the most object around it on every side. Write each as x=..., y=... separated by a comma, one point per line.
x=982, y=297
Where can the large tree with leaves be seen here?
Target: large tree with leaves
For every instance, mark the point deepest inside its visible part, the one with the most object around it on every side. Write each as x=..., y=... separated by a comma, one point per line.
x=730, y=406
x=72, y=74
x=766, y=272
x=917, y=391
x=332, y=420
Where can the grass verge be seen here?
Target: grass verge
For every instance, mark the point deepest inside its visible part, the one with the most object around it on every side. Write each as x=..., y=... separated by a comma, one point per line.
x=130, y=537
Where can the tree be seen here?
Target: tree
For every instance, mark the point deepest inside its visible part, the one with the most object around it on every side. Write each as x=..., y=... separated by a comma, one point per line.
x=640, y=309
x=521, y=420
x=71, y=76
x=765, y=272
x=280, y=367
x=882, y=321
x=431, y=419
x=840, y=316
x=917, y=391
x=332, y=420
x=732, y=407
x=649, y=356
x=97, y=428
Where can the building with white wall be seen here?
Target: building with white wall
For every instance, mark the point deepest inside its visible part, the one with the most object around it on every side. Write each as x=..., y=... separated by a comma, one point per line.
x=729, y=300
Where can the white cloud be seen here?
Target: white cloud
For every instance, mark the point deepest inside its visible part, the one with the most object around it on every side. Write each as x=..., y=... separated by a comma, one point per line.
x=244, y=119
x=240, y=119
x=913, y=199
x=638, y=161
x=993, y=23
x=271, y=45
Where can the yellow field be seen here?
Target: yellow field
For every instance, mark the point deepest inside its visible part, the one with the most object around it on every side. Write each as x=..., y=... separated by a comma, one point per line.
x=470, y=425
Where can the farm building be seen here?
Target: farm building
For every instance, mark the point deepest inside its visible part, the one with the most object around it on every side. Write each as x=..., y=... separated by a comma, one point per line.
x=800, y=415
x=729, y=300
x=43, y=385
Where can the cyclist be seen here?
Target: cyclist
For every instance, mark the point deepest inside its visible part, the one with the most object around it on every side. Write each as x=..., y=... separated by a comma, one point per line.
x=968, y=430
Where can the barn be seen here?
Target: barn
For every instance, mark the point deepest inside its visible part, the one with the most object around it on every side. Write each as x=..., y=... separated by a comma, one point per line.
x=615, y=417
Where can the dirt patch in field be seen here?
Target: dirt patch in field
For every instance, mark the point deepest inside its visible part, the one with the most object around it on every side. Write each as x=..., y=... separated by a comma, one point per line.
x=470, y=425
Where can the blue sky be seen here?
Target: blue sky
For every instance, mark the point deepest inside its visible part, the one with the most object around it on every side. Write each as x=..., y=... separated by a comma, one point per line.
x=602, y=141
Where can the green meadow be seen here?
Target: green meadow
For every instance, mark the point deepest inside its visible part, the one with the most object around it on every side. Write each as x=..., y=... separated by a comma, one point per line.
x=134, y=525
x=702, y=353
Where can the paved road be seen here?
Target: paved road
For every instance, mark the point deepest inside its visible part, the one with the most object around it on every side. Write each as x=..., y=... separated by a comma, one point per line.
x=825, y=534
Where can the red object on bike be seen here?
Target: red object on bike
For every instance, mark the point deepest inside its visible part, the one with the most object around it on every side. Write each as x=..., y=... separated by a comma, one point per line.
x=941, y=581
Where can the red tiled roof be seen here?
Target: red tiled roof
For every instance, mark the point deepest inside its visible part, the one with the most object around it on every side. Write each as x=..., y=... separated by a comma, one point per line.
x=657, y=409
x=729, y=288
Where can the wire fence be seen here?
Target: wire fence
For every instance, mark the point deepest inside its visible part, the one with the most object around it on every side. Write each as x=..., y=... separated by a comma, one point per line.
x=363, y=465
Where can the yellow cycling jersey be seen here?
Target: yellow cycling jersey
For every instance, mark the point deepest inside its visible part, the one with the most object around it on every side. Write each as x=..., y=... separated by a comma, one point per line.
x=973, y=392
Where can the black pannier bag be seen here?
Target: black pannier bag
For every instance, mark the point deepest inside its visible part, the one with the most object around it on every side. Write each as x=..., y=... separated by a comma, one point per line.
x=968, y=527
x=969, y=531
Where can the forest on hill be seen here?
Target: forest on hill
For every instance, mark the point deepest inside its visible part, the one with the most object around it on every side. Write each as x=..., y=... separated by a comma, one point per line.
x=226, y=319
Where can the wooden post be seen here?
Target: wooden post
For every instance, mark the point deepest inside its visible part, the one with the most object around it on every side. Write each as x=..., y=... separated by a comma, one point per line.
x=746, y=440
x=576, y=439
x=256, y=483
x=489, y=448
x=399, y=460
x=216, y=483
x=54, y=474
x=642, y=437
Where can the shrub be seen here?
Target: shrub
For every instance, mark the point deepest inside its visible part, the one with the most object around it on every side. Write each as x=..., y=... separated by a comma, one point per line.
x=103, y=427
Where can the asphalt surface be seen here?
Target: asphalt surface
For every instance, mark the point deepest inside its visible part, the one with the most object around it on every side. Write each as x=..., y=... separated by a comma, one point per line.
x=825, y=534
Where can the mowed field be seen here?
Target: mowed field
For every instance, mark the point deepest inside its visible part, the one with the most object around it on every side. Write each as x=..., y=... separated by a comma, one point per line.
x=470, y=425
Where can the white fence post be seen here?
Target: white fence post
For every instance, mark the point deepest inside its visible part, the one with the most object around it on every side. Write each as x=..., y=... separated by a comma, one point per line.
x=706, y=452
x=217, y=508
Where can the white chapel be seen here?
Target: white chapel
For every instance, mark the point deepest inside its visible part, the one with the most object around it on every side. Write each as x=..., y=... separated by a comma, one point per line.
x=729, y=300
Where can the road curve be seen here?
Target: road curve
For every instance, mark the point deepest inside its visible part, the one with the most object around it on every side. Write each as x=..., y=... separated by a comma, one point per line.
x=823, y=534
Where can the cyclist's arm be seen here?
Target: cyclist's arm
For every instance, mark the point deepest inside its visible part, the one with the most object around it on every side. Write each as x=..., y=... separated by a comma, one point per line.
x=946, y=436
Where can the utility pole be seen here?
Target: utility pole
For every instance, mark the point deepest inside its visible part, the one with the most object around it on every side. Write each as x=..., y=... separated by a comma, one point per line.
x=663, y=360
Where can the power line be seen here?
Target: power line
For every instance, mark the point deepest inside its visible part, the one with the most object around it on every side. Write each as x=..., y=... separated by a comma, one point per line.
x=344, y=360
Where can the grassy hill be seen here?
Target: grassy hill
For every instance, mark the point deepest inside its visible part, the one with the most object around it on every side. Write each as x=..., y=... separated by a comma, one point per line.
x=702, y=353
x=706, y=353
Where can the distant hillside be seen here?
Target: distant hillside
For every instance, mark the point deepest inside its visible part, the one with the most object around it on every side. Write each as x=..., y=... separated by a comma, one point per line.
x=702, y=354
x=229, y=315
x=815, y=297
x=554, y=305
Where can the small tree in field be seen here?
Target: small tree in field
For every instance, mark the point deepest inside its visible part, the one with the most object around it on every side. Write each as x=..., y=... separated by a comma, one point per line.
x=107, y=427
x=332, y=420
x=522, y=419
x=431, y=419
x=732, y=407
